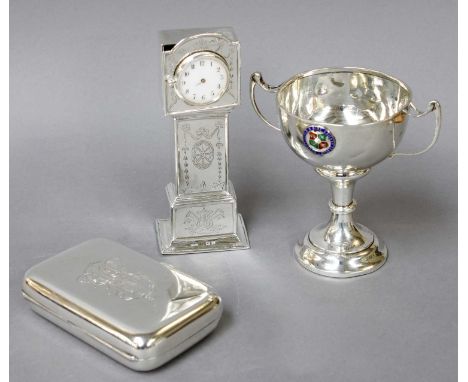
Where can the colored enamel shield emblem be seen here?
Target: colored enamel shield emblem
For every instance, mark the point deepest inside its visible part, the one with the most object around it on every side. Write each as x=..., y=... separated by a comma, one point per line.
x=319, y=140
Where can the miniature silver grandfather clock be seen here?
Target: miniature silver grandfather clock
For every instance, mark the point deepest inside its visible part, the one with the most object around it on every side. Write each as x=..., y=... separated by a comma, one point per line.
x=201, y=73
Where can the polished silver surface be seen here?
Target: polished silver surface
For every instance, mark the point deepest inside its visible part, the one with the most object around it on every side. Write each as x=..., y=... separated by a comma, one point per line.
x=203, y=202
x=91, y=153
x=343, y=121
x=139, y=312
x=178, y=45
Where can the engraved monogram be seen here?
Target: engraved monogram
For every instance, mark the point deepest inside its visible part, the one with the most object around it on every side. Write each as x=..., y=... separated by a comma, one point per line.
x=204, y=221
x=114, y=278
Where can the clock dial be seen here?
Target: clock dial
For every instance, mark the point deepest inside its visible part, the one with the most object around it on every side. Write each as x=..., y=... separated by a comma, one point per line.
x=202, y=78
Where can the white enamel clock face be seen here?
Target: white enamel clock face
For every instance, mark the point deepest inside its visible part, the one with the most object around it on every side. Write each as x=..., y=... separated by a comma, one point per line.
x=202, y=78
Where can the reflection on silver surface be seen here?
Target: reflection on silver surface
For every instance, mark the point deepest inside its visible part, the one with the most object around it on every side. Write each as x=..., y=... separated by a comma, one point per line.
x=344, y=98
x=343, y=121
x=188, y=292
x=132, y=308
x=203, y=203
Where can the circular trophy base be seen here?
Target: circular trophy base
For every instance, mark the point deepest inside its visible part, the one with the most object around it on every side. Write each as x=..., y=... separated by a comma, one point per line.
x=320, y=257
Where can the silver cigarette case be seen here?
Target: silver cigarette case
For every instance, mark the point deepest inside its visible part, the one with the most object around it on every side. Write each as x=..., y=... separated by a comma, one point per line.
x=136, y=310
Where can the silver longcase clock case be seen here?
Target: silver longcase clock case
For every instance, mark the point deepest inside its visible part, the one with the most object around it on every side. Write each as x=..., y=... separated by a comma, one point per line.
x=201, y=73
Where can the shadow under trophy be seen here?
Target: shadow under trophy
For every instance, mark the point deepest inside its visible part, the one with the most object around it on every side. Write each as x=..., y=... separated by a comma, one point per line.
x=343, y=121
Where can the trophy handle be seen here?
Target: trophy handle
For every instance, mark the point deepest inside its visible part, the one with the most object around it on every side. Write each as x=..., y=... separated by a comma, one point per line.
x=257, y=79
x=433, y=106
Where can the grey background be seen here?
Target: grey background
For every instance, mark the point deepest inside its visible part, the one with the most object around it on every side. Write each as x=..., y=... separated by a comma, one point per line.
x=91, y=153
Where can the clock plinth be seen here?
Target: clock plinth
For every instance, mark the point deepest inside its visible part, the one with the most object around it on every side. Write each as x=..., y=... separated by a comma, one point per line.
x=201, y=87
x=201, y=224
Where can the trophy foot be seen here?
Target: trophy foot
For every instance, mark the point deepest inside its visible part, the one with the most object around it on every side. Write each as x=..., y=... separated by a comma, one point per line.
x=212, y=243
x=361, y=255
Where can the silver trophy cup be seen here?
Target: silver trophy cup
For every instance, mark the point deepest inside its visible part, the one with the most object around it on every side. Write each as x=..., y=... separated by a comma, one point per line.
x=343, y=121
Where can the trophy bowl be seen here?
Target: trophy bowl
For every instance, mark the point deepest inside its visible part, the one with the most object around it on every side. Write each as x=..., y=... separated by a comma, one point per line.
x=343, y=121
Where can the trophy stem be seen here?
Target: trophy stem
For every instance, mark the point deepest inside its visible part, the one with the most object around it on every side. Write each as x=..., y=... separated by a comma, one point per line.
x=342, y=191
x=342, y=234
x=341, y=247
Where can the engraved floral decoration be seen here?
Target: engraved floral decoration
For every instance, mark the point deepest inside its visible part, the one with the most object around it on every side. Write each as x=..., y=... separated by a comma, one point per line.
x=220, y=155
x=202, y=154
x=204, y=221
x=185, y=128
x=114, y=278
x=200, y=148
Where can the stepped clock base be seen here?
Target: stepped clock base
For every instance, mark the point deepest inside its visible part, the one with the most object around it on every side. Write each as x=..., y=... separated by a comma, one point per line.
x=211, y=243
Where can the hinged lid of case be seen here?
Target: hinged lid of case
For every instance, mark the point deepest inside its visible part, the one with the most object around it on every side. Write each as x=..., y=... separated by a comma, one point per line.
x=140, y=312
